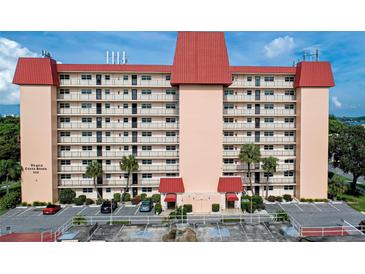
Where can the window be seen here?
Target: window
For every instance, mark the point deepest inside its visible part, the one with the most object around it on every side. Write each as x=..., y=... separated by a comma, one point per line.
x=172, y=174
x=168, y=77
x=86, y=134
x=269, y=133
x=125, y=105
x=108, y=189
x=64, y=91
x=269, y=120
x=170, y=106
x=228, y=133
x=146, y=77
x=86, y=162
x=126, y=147
x=289, y=120
x=170, y=134
x=269, y=92
x=107, y=148
x=288, y=173
x=289, y=78
x=108, y=133
x=146, y=120
x=289, y=133
x=87, y=148
x=289, y=106
x=249, y=120
x=65, y=162
x=249, y=92
x=228, y=92
x=228, y=174
x=86, y=119
x=249, y=133
x=146, y=91
x=288, y=187
x=146, y=133
x=125, y=133
x=65, y=148
x=125, y=92
x=147, y=162
x=64, y=105
x=87, y=190
x=107, y=105
x=228, y=106
x=125, y=120
x=107, y=77
x=269, y=106
x=268, y=174
x=290, y=92
x=108, y=162
x=228, y=161
x=269, y=78
x=270, y=187
x=107, y=91
x=146, y=106
x=249, y=78
x=146, y=147
x=107, y=120
x=288, y=147
x=86, y=105
x=146, y=189
x=65, y=134
x=170, y=147
x=249, y=106
x=170, y=120
x=86, y=77
x=86, y=91
x=65, y=176
x=289, y=161
x=257, y=81
x=170, y=92
x=64, y=77
x=228, y=147
x=171, y=162
x=228, y=120
x=125, y=78
x=147, y=175
x=268, y=147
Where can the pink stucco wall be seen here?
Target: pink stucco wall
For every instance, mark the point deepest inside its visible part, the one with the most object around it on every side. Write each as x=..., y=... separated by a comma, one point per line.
x=38, y=132
x=312, y=143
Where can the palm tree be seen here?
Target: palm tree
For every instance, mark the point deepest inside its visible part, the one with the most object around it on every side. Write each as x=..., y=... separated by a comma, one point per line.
x=249, y=154
x=269, y=166
x=128, y=164
x=10, y=170
x=94, y=170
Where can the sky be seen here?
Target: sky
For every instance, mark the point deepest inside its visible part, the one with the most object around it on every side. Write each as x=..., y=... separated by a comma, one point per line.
x=345, y=51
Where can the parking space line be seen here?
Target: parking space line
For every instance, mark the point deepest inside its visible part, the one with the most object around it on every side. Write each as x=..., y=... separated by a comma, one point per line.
x=81, y=210
x=244, y=231
x=272, y=236
x=301, y=209
x=62, y=210
x=13, y=215
x=135, y=213
x=316, y=207
x=333, y=206
x=41, y=213
x=21, y=213
x=116, y=212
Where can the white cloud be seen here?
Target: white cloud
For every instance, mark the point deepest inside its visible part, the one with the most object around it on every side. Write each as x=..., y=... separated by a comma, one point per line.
x=336, y=102
x=10, y=51
x=279, y=46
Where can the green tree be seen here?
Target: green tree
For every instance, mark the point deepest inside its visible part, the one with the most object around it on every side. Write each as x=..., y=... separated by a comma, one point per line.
x=250, y=154
x=94, y=170
x=335, y=127
x=349, y=152
x=10, y=138
x=10, y=169
x=269, y=165
x=128, y=164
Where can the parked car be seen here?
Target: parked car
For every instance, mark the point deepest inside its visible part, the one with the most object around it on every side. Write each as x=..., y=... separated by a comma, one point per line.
x=361, y=226
x=51, y=209
x=108, y=207
x=146, y=206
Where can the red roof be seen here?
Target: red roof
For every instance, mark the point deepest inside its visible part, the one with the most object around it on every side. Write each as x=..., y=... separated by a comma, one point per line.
x=230, y=184
x=170, y=197
x=29, y=237
x=201, y=58
x=314, y=74
x=230, y=197
x=268, y=70
x=112, y=68
x=171, y=185
x=36, y=71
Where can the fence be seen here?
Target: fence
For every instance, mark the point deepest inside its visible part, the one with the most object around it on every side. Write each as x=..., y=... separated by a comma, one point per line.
x=345, y=229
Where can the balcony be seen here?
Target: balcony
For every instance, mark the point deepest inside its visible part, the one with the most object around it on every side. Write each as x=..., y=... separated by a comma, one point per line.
x=278, y=152
x=115, y=83
x=262, y=111
x=107, y=182
x=117, y=125
x=263, y=98
x=247, y=126
x=118, y=140
x=262, y=139
x=263, y=84
x=76, y=96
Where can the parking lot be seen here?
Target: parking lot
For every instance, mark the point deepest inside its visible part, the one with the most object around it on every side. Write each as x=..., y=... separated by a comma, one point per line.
x=319, y=214
x=31, y=219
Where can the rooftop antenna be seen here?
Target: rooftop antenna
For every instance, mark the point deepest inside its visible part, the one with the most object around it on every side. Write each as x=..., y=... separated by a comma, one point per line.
x=118, y=57
x=311, y=55
x=107, y=56
x=113, y=59
x=46, y=54
x=124, y=57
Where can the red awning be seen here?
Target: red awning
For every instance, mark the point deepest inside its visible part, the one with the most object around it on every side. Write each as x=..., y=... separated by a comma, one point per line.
x=230, y=184
x=170, y=197
x=230, y=197
x=171, y=185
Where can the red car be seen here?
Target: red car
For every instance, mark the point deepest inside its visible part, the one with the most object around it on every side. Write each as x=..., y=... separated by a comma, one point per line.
x=51, y=209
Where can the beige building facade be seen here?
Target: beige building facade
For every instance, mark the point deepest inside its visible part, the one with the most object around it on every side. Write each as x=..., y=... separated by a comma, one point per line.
x=179, y=121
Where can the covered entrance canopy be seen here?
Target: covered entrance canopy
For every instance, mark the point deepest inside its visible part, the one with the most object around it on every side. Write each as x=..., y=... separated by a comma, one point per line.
x=170, y=198
x=231, y=197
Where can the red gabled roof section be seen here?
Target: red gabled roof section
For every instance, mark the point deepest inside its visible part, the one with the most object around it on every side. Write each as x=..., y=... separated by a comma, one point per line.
x=36, y=71
x=171, y=185
x=257, y=69
x=230, y=184
x=201, y=58
x=314, y=74
x=113, y=68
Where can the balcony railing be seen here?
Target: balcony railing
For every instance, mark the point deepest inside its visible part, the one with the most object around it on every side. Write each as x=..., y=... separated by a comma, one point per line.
x=119, y=111
x=261, y=112
x=274, y=84
x=264, y=98
x=245, y=126
x=243, y=168
x=116, y=125
x=119, y=140
x=116, y=82
x=262, y=139
x=281, y=152
x=107, y=182
x=118, y=97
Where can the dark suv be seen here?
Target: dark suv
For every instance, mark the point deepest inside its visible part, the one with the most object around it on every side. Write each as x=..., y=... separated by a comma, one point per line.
x=108, y=207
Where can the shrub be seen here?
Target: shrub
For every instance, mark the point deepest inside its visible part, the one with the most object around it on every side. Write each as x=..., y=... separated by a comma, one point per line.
x=82, y=198
x=188, y=208
x=215, y=207
x=148, y=199
x=10, y=200
x=287, y=197
x=179, y=213
x=89, y=201
x=279, y=199
x=117, y=197
x=143, y=196
x=99, y=201
x=257, y=203
x=156, y=198
x=126, y=197
x=271, y=198
x=158, y=208
x=136, y=200
x=257, y=199
x=79, y=220
x=66, y=196
x=24, y=204
x=282, y=216
x=78, y=201
x=37, y=203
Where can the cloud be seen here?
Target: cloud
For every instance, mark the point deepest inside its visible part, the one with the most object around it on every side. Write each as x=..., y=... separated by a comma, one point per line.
x=279, y=46
x=10, y=51
x=336, y=102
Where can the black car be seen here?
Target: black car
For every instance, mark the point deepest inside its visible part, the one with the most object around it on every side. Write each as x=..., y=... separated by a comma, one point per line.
x=108, y=207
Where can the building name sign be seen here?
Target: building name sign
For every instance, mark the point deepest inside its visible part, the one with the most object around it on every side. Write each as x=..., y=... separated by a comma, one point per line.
x=35, y=168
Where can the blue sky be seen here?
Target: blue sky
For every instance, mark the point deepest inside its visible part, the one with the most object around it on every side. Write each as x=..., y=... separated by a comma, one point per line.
x=345, y=50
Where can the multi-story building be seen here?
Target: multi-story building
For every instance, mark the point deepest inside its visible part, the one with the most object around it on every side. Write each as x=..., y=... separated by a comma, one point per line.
x=185, y=123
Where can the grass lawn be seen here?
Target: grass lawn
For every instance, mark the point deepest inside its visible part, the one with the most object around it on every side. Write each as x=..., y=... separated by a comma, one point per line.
x=356, y=202
x=3, y=211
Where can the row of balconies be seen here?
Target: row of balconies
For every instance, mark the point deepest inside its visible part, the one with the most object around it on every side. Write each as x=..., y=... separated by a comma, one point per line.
x=109, y=182
x=275, y=152
x=116, y=82
x=262, y=83
x=118, y=97
x=262, y=139
x=116, y=125
x=118, y=140
x=116, y=168
x=261, y=111
x=246, y=126
x=119, y=111
x=108, y=153
x=243, y=168
x=263, y=98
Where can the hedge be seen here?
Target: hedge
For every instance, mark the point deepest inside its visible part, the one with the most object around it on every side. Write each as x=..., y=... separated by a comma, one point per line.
x=66, y=196
x=89, y=201
x=158, y=208
x=126, y=197
x=215, y=207
x=10, y=200
x=188, y=208
x=143, y=196
x=82, y=198
x=287, y=197
x=156, y=198
x=271, y=198
x=78, y=201
x=99, y=201
x=117, y=197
